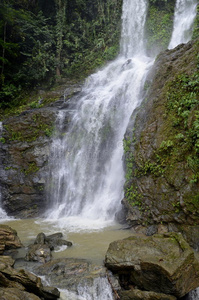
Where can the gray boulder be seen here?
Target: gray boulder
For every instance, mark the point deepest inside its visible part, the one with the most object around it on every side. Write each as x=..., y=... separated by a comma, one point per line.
x=162, y=263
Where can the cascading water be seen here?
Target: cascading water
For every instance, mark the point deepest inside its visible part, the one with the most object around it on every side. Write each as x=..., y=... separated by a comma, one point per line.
x=3, y=214
x=185, y=13
x=87, y=176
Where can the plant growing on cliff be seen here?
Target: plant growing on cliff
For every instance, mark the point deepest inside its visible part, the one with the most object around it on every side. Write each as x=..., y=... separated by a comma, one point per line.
x=159, y=24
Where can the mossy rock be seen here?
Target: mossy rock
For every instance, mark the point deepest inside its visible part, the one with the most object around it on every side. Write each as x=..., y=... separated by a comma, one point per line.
x=163, y=263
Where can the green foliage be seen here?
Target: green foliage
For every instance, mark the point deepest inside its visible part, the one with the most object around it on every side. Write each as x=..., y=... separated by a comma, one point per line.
x=159, y=24
x=133, y=196
x=41, y=41
x=183, y=106
x=39, y=128
x=31, y=168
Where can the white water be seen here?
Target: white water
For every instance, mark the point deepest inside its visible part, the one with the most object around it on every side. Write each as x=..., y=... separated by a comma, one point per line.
x=87, y=176
x=185, y=13
x=3, y=214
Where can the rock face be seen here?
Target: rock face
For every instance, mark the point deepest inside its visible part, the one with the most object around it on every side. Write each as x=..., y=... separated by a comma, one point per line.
x=24, y=155
x=25, y=145
x=161, y=152
x=161, y=264
x=8, y=239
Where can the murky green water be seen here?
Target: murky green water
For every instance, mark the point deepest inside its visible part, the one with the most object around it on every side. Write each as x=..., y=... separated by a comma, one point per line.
x=87, y=243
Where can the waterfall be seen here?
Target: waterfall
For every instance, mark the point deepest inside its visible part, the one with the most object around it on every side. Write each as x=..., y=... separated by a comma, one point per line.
x=87, y=175
x=185, y=13
x=3, y=214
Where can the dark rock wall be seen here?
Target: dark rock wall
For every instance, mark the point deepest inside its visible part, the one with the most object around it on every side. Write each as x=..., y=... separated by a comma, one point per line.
x=24, y=154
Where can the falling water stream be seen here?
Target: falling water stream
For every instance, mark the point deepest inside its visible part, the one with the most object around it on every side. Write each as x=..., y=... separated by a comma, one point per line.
x=185, y=13
x=87, y=172
x=3, y=214
x=86, y=176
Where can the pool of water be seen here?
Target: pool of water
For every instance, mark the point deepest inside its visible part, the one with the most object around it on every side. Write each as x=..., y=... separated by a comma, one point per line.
x=88, y=243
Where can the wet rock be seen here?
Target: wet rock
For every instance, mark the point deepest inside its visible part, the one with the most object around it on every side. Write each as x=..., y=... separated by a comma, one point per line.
x=151, y=230
x=135, y=294
x=162, y=263
x=38, y=252
x=40, y=239
x=43, y=245
x=191, y=235
x=70, y=273
x=15, y=294
x=21, y=280
x=55, y=240
x=8, y=239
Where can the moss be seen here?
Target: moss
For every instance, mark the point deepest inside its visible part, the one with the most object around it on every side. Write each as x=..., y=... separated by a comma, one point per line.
x=159, y=25
x=192, y=202
x=162, y=161
x=30, y=169
x=33, y=126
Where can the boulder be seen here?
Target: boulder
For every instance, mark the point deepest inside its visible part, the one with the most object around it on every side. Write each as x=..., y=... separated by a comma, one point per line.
x=55, y=240
x=15, y=294
x=41, y=249
x=38, y=252
x=71, y=273
x=8, y=239
x=162, y=263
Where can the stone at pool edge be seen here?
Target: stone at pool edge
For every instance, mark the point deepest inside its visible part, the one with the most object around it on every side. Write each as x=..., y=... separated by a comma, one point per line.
x=22, y=283
x=162, y=263
x=8, y=239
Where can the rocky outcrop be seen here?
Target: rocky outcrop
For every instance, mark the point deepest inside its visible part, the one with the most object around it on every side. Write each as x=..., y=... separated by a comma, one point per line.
x=161, y=264
x=20, y=284
x=41, y=249
x=8, y=239
x=161, y=154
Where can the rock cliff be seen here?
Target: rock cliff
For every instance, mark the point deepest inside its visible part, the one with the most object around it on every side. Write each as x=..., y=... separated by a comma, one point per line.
x=161, y=144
